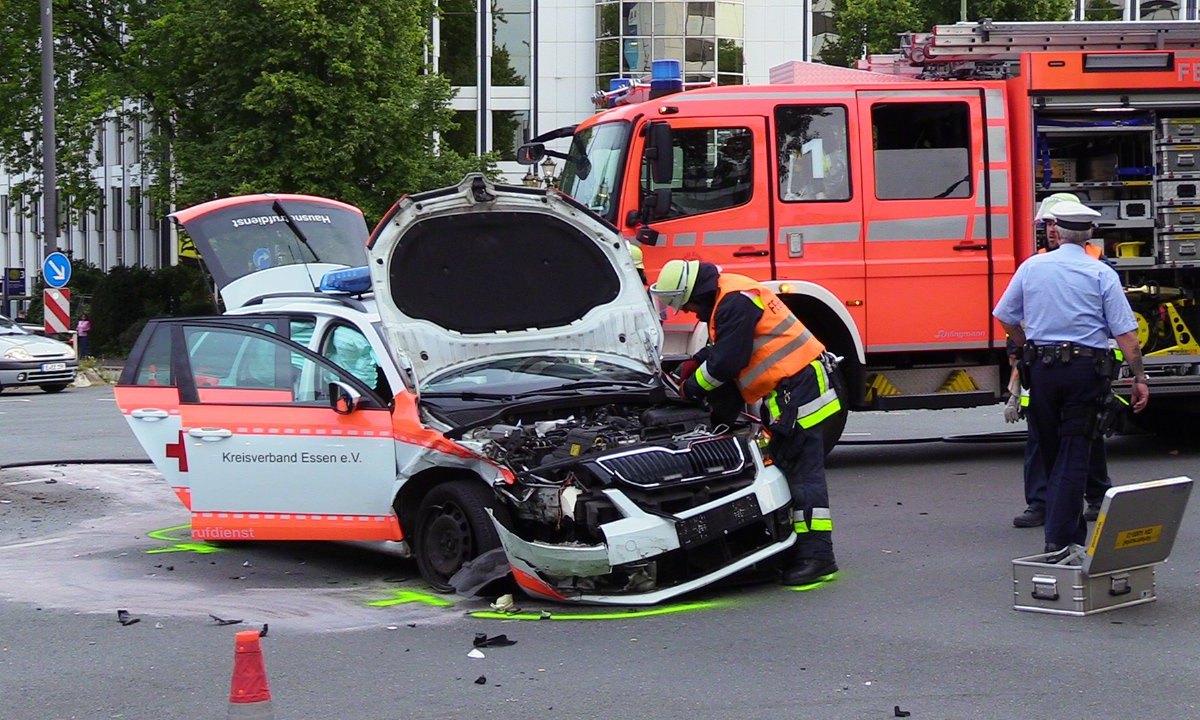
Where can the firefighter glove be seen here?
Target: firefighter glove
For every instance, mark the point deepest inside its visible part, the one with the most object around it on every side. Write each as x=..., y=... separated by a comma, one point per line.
x=690, y=388
x=1012, y=409
x=687, y=369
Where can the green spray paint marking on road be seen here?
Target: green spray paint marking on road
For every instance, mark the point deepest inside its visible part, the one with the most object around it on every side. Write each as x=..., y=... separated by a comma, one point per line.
x=813, y=585
x=409, y=596
x=200, y=548
x=650, y=612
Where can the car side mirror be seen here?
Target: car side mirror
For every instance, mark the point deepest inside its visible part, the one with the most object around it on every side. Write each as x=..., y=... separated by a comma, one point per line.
x=530, y=153
x=343, y=399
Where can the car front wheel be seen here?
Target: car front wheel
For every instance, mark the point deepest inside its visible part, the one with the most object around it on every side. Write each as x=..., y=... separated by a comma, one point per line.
x=58, y=387
x=453, y=528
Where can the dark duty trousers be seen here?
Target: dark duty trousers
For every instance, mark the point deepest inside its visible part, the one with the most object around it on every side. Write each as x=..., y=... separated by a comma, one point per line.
x=1098, y=481
x=800, y=456
x=1064, y=400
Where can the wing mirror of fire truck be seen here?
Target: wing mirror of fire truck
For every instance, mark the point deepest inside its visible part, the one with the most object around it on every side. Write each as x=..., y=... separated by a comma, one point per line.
x=659, y=153
x=343, y=398
x=530, y=153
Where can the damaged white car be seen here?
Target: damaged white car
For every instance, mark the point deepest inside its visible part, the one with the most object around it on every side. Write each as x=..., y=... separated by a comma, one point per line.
x=486, y=390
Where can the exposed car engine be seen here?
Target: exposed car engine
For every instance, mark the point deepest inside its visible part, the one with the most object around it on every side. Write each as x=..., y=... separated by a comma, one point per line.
x=665, y=457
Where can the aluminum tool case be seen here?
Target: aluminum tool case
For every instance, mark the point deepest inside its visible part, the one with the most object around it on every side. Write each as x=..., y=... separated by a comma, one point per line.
x=1135, y=531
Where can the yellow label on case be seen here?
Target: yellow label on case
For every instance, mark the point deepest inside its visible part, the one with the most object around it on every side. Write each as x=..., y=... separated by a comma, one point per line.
x=1138, y=536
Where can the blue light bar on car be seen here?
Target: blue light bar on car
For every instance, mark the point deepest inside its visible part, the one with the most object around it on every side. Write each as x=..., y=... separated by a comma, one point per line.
x=352, y=280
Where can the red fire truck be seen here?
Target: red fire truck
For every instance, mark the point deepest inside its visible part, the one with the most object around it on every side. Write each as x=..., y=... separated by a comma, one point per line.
x=890, y=206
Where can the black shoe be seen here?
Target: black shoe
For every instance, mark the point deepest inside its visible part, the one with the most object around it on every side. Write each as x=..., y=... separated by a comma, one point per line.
x=1032, y=517
x=1092, y=512
x=1051, y=548
x=806, y=572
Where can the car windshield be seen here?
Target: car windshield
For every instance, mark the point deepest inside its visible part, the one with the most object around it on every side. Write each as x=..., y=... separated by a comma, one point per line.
x=591, y=173
x=530, y=375
x=8, y=327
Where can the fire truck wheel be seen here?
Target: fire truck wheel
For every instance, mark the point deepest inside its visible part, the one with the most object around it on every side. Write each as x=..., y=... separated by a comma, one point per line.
x=453, y=528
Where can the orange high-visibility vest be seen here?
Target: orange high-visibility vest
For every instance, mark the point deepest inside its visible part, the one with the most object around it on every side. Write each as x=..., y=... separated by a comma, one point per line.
x=782, y=345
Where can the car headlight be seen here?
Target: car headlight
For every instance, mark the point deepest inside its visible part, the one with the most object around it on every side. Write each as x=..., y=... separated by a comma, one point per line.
x=17, y=353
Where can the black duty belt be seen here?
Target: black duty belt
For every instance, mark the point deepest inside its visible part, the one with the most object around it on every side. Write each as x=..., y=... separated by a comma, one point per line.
x=1064, y=352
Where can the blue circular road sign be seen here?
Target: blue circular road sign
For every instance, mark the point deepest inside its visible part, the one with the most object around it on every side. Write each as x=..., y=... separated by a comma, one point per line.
x=56, y=270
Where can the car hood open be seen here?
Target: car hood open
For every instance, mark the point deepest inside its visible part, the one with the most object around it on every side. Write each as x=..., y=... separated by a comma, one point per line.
x=251, y=249
x=480, y=271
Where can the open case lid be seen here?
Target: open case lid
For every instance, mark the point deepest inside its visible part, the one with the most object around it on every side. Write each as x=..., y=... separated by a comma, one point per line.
x=1137, y=525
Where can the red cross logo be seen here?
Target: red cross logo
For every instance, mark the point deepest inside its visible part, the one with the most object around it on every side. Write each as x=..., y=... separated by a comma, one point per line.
x=178, y=450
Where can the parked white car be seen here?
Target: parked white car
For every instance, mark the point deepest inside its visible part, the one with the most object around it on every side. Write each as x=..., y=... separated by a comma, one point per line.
x=28, y=359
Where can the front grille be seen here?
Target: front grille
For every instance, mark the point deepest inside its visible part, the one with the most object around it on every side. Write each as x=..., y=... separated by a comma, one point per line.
x=657, y=466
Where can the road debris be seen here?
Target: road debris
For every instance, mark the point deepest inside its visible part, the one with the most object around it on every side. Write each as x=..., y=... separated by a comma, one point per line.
x=223, y=621
x=125, y=618
x=900, y=713
x=481, y=680
x=475, y=653
x=482, y=640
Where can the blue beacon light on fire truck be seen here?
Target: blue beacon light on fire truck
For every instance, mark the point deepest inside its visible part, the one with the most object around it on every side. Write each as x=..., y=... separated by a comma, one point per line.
x=354, y=281
x=666, y=77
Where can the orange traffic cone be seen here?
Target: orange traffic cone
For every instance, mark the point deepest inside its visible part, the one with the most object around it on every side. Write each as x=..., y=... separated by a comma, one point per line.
x=249, y=694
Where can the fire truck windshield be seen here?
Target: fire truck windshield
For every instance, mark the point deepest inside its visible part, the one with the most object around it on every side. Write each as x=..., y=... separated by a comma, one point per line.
x=591, y=172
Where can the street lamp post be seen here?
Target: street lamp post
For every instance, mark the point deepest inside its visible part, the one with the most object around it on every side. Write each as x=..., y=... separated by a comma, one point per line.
x=548, y=172
x=49, y=155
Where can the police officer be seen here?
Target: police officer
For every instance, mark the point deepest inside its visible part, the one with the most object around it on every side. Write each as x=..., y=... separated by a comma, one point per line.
x=1098, y=481
x=1062, y=307
x=760, y=349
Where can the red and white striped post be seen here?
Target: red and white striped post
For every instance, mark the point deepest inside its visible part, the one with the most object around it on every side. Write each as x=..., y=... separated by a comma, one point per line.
x=57, y=310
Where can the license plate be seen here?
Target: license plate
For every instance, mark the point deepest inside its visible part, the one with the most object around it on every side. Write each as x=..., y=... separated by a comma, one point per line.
x=51, y=367
x=711, y=524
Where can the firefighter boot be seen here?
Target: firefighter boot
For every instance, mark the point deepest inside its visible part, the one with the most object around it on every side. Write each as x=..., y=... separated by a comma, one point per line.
x=811, y=560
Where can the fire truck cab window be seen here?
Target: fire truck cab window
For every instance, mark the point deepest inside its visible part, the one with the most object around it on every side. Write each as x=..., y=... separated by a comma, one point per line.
x=812, y=154
x=922, y=150
x=714, y=169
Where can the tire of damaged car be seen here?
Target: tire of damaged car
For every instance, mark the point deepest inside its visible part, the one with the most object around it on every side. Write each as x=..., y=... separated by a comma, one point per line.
x=453, y=528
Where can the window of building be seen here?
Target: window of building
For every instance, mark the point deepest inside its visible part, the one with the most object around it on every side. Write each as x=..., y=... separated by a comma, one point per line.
x=118, y=209
x=463, y=139
x=4, y=214
x=701, y=19
x=922, y=150
x=670, y=18
x=135, y=209
x=699, y=56
x=510, y=128
x=512, y=40
x=608, y=20
x=714, y=169
x=21, y=216
x=637, y=18
x=731, y=20
x=458, y=58
x=812, y=153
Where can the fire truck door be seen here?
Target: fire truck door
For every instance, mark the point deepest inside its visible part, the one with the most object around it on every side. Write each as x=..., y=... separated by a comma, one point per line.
x=926, y=243
x=720, y=195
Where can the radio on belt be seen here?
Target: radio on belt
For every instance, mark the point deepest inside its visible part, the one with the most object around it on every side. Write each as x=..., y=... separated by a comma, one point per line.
x=1134, y=532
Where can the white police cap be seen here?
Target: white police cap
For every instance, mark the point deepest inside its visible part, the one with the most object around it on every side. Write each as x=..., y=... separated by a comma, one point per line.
x=1072, y=215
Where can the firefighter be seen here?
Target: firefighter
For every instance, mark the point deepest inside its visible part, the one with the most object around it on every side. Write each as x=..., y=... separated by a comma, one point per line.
x=1098, y=481
x=760, y=349
x=639, y=263
x=1061, y=308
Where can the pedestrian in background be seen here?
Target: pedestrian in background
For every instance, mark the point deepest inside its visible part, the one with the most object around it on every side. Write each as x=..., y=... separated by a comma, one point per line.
x=1098, y=481
x=83, y=329
x=1061, y=308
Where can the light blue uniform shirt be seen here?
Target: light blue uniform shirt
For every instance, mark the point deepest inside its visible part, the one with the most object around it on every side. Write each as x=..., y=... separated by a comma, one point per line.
x=1066, y=296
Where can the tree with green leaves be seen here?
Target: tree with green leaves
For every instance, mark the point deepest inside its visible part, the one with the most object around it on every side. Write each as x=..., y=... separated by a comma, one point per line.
x=243, y=95
x=90, y=57
x=298, y=96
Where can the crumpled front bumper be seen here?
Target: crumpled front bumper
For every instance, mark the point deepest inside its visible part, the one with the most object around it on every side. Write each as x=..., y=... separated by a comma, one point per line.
x=641, y=536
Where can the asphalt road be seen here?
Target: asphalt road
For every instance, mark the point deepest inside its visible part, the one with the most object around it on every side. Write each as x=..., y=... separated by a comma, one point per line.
x=920, y=617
